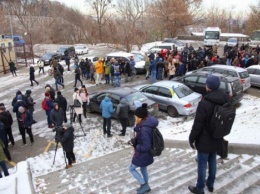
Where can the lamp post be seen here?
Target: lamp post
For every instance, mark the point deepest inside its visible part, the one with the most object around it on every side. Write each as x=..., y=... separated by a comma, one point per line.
x=31, y=47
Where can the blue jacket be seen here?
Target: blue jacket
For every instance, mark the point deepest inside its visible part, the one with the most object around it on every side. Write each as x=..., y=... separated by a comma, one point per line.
x=106, y=107
x=144, y=138
x=25, y=119
x=132, y=64
x=152, y=65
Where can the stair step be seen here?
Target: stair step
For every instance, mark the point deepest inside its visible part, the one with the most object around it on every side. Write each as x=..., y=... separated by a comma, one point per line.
x=253, y=188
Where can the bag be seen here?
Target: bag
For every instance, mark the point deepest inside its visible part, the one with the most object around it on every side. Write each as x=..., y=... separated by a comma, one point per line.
x=44, y=104
x=77, y=103
x=158, y=143
x=222, y=120
x=223, y=150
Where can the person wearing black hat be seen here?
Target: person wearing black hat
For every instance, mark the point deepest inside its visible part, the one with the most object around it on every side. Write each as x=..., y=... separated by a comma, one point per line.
x=201, y=139
x=57, y=115
x=30, y=103
x=7, y=119
x=32, y=76
x=142, y=142
x=62, y=102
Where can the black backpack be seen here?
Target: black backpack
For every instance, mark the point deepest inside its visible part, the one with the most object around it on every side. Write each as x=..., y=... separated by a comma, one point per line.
x=158, y=143
x=222, y=120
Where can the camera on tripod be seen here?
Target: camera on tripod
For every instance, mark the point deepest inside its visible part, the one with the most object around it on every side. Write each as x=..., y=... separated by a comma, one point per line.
x=59, y=132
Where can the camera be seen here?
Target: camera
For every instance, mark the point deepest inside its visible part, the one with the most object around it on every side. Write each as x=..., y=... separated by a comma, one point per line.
x=59, y=133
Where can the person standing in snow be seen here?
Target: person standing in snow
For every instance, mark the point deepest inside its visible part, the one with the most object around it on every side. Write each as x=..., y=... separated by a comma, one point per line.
x=122, y=111
x=201, y=139
x=67, y=142
x=57, y=115
x=2, y=160
x=32, y=76
x=62, y=102
x=142, y=142
x=78, y=110
x=84, y=95
x=107, y=109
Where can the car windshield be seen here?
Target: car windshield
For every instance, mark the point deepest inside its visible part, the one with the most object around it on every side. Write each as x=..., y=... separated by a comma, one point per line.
x=182, y=91
x=47, y=56
x=79, y=47
x=136, y=96
x=244, y=74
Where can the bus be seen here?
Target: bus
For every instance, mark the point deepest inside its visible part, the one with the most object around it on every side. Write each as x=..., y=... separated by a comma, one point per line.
x=18, y=40
x=212, y=36
x=255, y=38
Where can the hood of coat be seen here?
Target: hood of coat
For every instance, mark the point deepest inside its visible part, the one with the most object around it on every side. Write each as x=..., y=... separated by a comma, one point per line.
x=150, y=122
x=217, y=97
x=107, y=99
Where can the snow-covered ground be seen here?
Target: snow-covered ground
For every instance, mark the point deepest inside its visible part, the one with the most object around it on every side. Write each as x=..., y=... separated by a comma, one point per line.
x=245, y=131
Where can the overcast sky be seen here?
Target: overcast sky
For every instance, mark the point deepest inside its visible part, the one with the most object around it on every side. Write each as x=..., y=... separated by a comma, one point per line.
x=238, y=5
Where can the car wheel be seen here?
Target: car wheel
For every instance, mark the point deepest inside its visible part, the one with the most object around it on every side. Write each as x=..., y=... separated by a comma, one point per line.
x=172, y=111
x=88, y=109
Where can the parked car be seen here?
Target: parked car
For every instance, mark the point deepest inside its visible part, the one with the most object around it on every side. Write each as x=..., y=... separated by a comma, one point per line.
x=157, y=48
x=254, y=73
x=66, y=50
x=173, y=97
x=139, y=64
x=227, y=70
x=231, y=85
x=81, y=49
x=178, y=44
x=48, y=57
x=232, y=42
x=116, y=94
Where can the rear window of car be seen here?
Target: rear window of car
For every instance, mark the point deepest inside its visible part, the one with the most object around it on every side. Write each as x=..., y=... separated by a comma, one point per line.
x=182, y=91
x=244, y=74
x=135, y=96
x=236, y=85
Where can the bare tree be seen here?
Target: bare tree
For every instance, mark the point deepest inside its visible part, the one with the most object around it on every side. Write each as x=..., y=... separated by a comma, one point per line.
x=253, y=20
x=102, y=14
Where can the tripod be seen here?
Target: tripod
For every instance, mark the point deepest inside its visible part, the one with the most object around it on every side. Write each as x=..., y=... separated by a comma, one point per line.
x=72, y=114
x=57, y=142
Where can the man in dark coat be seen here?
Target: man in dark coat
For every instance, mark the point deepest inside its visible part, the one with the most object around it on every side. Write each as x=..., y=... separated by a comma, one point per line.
x=62, y=102
x=12, y=68
x=7, y=119
x=30, y=103
x=57, y=115
x=15, y=98
x=25, y=124
x=32, y=76
x=20, y=102
x=51, y=91
x=122, y=112
x=67, y=141
x=201, y=139
x=142, y=144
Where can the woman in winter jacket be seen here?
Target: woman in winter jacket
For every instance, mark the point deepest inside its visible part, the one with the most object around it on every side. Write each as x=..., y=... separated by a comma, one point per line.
x=25, y=123
x=142, y=144
x=172, y=69
x=84, y=95
x=78, y=110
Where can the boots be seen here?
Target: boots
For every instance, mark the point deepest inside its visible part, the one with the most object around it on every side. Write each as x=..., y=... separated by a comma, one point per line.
x=143, y=189
x=68, y=166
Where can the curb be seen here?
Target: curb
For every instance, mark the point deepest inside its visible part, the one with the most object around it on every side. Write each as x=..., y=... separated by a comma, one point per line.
x=235, y=148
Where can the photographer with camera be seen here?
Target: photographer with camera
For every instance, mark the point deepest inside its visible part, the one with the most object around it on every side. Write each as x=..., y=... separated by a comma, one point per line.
x=66, y=138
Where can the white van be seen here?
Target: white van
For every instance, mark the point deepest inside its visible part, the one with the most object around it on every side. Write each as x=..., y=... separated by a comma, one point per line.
x=139, y=64
x=158, y=47
x=233, y=71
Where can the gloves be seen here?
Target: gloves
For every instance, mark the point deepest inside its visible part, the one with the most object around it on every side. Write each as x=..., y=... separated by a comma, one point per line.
x=192, y=145
x=132, y=142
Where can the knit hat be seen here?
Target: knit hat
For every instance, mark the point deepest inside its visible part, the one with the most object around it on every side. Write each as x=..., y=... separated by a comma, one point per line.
x=76, y=89
x=28, y=91
x=19, y=97
x=59, y=93
x=67, y=125
x=47, y=94
x=21, y=109
x=2, y=104
x=141, y=112
x=213, y=82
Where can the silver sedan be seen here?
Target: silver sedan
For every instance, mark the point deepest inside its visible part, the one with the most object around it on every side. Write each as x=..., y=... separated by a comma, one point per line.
x=254, y=73
x=173, y=97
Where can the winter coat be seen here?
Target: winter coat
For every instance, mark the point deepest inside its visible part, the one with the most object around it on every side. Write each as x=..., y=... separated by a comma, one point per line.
x=77, y=72
x=30, y=103
x=132, y=64
x=107, y=107
x=6, y=118
x=152, y=66
x=32, y=77
x=107, y=67
x=143, y=139
x=171, y=68
x=12, y=66
x=2, y=154
x=78, y=110
x=127, y=68
x=67, y=139
x=56, y=74
x=82, y=66
x=200, y=133
x=114, y=68
x=83, y=96
x=18, y=104
x=57, y=116
x=122, y=109
x=3, y=136
x=51, y=91
x=24, y=119
x=61, y=69
x=92, y=69
x=40, y=63
x=49, y=104
x=99, y=67
x=62, y=102
x=15, y=98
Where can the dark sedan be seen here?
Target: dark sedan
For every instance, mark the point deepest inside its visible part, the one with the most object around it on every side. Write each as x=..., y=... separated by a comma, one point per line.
x=131, y=95
x=47, y=58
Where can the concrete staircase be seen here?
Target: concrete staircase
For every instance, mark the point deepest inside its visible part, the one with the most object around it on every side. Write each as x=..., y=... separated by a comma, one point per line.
x=171, y=173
